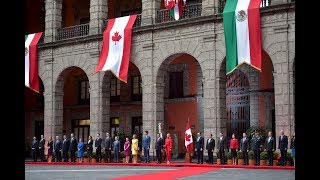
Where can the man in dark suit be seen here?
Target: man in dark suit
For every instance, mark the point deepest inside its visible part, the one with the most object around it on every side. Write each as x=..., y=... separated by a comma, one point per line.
x=270, y=148
x=34, y=147
x=116, y=149
x=244, y=148
x=73, y=147
x=210, y=147
x=41, y=148
x=146, y=146
x=222, y=147
x=256, y=147
x=199, y=147
x=97, y=145
x=158, y=147
x=57, y=149
x=107, y=148
x=65, y=148
x=283, y=146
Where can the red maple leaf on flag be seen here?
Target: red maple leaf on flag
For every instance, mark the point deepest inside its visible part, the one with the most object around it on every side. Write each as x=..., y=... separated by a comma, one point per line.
x=116, y=37
x=187, y=137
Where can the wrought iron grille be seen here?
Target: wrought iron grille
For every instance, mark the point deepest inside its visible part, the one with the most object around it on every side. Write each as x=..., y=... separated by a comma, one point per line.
x=189, y=11
x=222, y=3
x=137, y=23
x=73, y=31
x=238, y=103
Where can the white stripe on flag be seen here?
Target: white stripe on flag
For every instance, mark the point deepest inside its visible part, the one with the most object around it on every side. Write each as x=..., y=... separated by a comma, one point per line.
x=176, y=12
x=27, y=61
x=115, y=53
x=243, y=43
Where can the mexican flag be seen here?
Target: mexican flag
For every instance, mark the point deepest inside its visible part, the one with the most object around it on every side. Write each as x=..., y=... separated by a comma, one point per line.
x=31, y=61
x=115, y=53
x=241, y=19
x=176, y=11
x=188, y=141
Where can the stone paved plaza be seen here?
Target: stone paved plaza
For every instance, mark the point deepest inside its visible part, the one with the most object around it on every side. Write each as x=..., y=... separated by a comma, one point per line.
x=100, y=172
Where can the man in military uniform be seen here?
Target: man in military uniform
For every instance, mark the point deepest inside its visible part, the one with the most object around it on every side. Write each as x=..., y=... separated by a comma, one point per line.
x=256, y=142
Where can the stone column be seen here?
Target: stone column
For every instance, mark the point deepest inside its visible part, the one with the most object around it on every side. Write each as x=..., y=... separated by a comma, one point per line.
x=208, y=7
x=98, y=12
x=149, y=8
x=105, y=102
x=53, y=19
x=95, y=107
x=57, y=113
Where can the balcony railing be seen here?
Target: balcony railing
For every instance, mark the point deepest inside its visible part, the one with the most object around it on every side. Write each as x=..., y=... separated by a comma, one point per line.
x=222, y=3
x=73, y=32
x=189, y=11
x=137, y=23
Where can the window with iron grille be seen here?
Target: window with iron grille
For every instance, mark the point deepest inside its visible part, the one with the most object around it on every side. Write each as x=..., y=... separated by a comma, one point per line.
x=115, y=89
x=136, y=88
x=176, y=85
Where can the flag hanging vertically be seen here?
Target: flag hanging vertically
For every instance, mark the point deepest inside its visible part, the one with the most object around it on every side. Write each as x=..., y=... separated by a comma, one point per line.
x=241, y=19
x=115, y=53
x=188, y=141
x=175, y=7
x=31, y=61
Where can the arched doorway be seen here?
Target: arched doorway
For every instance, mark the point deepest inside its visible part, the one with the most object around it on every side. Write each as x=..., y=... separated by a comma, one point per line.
x=73, y=83
x=180, y=98
x=249, y=98
x=123, y=8
x=122, y=115
x=34, y=115
x=238, y=103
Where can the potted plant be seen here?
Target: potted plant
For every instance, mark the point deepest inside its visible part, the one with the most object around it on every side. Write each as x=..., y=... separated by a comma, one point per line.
x=275, y=158
x=251, y=158
x=240, y=158
x=85, y=156
x=263, y=158
x=93, y=160
x=289, y=159
x=229, y=157
x=218, y=158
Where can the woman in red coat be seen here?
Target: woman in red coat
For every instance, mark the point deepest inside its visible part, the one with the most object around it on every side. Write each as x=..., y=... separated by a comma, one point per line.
x=168, y=147
x=234, y=146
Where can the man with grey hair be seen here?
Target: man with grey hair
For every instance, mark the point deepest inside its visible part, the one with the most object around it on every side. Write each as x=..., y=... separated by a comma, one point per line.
x=35, y=146
x=57, y=149
x=107, y=149
x=283, y=146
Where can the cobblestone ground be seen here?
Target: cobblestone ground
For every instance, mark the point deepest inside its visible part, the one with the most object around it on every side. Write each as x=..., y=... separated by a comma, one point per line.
x=44, y=172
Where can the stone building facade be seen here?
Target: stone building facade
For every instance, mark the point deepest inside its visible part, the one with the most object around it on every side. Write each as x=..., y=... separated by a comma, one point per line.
x=155, y=46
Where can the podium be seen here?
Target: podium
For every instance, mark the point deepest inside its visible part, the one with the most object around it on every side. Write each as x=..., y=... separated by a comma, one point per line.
x=188, y=158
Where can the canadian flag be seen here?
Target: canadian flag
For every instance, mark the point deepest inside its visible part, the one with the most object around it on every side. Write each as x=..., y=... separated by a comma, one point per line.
x=188, y=141
x=115, y=53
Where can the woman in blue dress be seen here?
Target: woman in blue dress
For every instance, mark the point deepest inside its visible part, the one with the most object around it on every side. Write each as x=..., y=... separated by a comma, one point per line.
x=80, y=150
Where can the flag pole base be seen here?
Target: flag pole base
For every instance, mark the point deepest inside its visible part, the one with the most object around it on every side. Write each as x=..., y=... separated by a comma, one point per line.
x=188, y=158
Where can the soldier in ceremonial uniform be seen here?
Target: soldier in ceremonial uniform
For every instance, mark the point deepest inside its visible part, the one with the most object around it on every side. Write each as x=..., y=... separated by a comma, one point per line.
x=256, y=143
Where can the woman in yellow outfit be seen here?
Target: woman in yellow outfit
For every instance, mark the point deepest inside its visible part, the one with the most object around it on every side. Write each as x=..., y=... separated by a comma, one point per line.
x=134, y=149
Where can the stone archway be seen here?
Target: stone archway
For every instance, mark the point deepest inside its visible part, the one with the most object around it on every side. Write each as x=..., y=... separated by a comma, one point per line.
x=179, y=90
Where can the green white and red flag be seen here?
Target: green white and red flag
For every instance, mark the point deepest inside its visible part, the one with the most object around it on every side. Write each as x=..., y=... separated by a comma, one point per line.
x=31, y=71
x=175, y=7
x=241, y=19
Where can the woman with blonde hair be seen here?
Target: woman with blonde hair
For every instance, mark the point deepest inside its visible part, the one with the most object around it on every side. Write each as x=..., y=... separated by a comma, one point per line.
x=168, y=147
x=134, y=148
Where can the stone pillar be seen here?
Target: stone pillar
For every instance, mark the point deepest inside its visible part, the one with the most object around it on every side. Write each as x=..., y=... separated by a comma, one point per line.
x=149, y=8
x=208, y=7
x=98, y=12
x=53, y=19
x=105, y=103
x=95, y=106
x=57, y=111
x=254, y=78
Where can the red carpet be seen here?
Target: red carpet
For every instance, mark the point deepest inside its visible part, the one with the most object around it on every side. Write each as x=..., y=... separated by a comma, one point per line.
x=169, y=174
x=177, y=164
